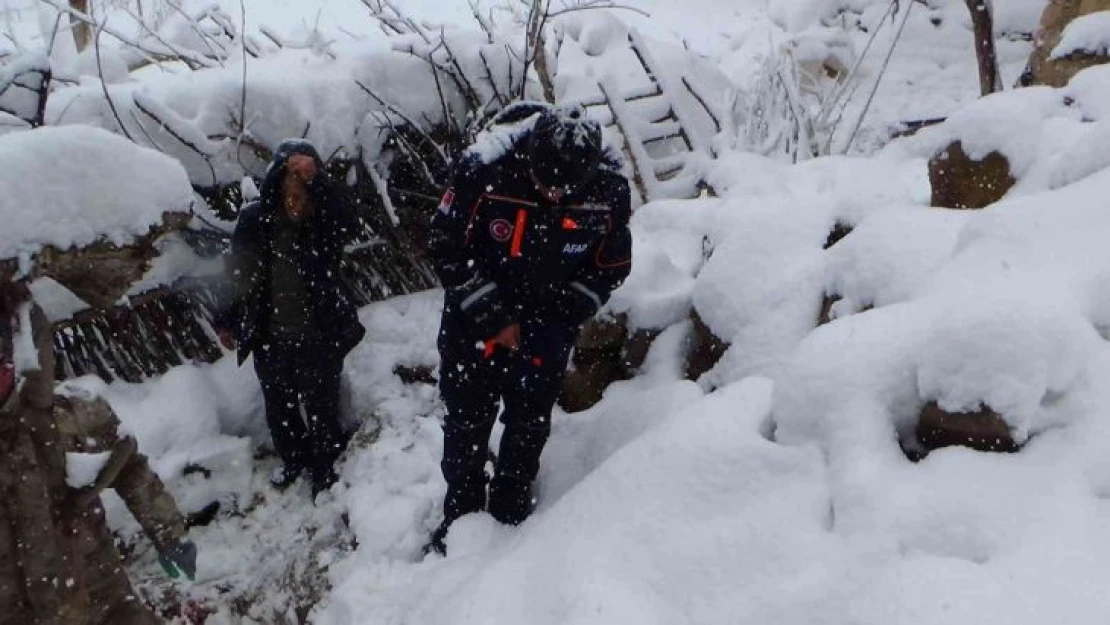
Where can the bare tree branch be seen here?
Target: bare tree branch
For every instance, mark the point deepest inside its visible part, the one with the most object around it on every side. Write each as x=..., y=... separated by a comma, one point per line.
x=192, y=59
x=408, y=120
x=471, y=92
x=598, y=5
x=142, y=129
x=104, y=86
x=205, y=37
x=206, y=157
x=165, y=43
x=502, y=100
x=879, y=79
x=243, y=97
x=487, y=26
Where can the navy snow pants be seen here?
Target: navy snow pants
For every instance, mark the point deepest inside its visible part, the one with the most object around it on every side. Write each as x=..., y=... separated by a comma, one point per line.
x=472, y=386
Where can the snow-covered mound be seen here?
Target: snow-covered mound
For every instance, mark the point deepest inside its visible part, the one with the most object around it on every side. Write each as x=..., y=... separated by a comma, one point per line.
x=78, y=185
x=1050, y=137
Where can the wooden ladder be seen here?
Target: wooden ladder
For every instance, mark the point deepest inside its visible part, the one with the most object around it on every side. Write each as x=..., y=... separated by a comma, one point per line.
x=652, y=129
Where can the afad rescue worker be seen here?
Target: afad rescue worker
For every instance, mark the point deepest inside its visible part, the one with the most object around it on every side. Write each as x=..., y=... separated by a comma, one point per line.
x=58, y=560
x=529, y=241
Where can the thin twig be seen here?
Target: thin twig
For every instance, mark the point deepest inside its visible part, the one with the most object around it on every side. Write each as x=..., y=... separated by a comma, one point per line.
x=619, y=7
x=509, y=58
x=53, y=35
x=829, y=104
x=162, y=41
x=205, y=37
x=243, y=39
x=489, y=78
x=879, y=79
x=104, y=85
x=458, y=68
x=194, y=61
x=408, y=120
x=448, y=114
x=176, y=135
x=142, y=129
x=486, y=26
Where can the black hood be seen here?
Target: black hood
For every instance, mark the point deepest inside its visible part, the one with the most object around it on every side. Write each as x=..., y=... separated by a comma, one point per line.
x=270, y=192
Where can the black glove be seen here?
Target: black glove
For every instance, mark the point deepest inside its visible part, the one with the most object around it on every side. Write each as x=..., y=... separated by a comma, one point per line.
x=178, y=558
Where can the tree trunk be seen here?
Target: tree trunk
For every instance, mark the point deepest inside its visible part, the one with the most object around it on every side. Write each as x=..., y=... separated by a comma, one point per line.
x=82, y=31
x=982, y=19
x=537, y=45
x=542, y=68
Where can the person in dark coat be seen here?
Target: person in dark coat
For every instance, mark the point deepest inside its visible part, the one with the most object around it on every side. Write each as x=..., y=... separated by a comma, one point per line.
x=529, y=241
x=292, y=310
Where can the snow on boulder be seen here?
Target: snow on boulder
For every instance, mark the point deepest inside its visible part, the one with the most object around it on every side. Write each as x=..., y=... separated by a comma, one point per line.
x=762, y=288
x=1086, y=35
x=877, y=265
x=1020, y=141
x=78, y=185
x=1005, y=123
x=83, y=202
x=1070, y=39
x=999, y=317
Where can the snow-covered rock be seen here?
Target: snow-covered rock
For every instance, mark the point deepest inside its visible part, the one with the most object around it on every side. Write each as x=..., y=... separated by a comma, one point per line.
x=77, y=185
x=1087, y=34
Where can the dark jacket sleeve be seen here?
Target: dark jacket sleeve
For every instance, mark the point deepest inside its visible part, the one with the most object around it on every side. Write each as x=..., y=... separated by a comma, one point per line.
x=610, y=260
x=456, y=259
x=147, y=499
x=338, y=221
x=127, y=470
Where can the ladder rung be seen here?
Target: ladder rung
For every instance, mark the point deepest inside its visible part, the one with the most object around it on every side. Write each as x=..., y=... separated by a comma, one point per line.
x=668, y=173
x=597, y=100
x=662, y=138
x=603, y=117
x=651, y=91
x=667, y=167
x=669, y=117
x=658, y=132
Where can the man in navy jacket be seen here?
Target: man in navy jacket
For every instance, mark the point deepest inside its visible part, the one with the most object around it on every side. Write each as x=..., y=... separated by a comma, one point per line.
x=529, y=241
x=292, y=310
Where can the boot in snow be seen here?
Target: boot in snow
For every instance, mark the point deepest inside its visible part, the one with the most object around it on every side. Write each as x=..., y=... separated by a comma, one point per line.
x=510, y=500
x=283, y=476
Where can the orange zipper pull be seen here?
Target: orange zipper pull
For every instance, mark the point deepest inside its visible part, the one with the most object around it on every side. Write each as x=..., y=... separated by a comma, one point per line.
x=518, y=232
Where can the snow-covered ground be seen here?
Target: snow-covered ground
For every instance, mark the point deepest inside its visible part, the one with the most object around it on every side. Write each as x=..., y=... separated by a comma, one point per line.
x=774, y=489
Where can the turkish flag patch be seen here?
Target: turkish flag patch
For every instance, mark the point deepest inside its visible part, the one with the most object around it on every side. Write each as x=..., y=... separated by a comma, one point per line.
x=501, y=230
x=445, y=203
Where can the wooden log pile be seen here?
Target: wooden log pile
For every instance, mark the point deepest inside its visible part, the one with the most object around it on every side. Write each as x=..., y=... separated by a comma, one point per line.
x=155, y=331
